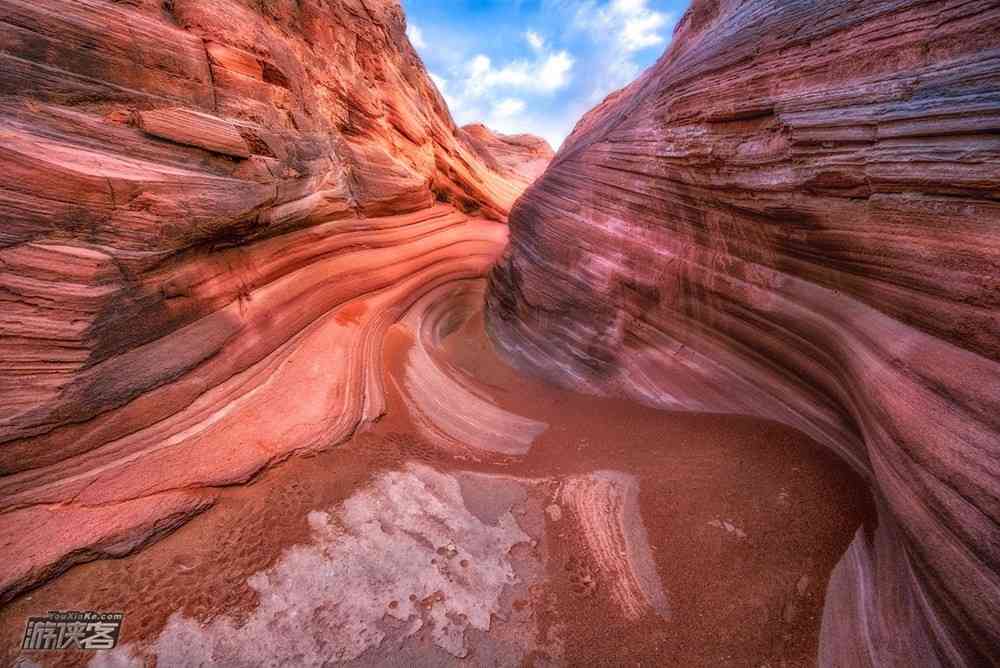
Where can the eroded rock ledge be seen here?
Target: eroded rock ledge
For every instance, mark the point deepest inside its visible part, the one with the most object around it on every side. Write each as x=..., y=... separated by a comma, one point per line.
x=522, y=158
x=794, y=214
x=211, y=212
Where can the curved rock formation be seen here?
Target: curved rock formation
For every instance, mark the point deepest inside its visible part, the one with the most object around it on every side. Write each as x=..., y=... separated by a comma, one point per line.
x=794, y=214
x=212, y=212
x=521, y=157
x=448, y=407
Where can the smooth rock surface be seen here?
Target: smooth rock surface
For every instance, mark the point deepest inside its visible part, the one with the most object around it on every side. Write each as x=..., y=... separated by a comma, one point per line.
x=794, y=215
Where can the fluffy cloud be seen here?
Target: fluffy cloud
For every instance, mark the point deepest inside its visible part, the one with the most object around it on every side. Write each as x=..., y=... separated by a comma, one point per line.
x=508, y=115
x=545, y=74
x=539, y=80
x=480, y=90
x=631, y=22
x=623, y=28
x=416, y=36
x=639, y=29
x=508, y=107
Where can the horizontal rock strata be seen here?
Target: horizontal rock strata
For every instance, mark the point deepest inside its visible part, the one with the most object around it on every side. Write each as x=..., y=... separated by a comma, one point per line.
x=794, y=214
x=212, y=213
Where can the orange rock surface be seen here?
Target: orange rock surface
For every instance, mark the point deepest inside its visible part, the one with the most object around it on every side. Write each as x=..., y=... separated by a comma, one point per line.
x=521, y=157
x=211, y=212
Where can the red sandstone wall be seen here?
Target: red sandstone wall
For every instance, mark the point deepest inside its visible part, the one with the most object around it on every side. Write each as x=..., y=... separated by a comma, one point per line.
x=794, y=215
x=522, y=158
x=210, y=212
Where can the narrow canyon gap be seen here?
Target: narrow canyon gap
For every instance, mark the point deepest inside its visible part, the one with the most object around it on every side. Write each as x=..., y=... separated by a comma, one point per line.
x=258, y=393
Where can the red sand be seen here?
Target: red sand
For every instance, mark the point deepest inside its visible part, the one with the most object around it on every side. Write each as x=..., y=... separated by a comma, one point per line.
x=734, y=601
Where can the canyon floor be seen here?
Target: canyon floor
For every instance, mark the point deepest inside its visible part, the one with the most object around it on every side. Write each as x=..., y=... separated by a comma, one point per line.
x=594, y=532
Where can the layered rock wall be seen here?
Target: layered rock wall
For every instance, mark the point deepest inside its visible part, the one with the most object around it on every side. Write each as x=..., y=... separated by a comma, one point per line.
x=521, y=157
x=794, y=214
x=211, y=211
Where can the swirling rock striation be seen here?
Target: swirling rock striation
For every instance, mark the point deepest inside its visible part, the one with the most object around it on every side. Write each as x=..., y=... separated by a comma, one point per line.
x=794, y=214
x=212, y=212
x=606, y=507
x=449, y=407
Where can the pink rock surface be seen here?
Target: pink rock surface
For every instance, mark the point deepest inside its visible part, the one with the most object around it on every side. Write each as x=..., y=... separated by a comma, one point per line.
x=605, y=506
x=450, y=408
x=212, y=211
x=793, y=215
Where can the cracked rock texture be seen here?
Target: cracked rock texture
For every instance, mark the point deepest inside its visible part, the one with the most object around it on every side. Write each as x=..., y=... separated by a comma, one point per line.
x=794, y=215
x=211, y=213
x=438, y=565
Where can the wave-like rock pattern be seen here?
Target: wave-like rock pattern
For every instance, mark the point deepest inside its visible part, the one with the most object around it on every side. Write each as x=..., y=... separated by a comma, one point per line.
x=447, y=406
x=794, y=214
x=212, y=213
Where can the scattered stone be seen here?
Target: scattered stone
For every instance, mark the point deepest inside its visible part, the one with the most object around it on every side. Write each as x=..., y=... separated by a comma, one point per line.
x=728, y=527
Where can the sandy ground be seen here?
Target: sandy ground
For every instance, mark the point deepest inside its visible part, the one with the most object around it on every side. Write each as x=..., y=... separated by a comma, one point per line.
x=625, y=536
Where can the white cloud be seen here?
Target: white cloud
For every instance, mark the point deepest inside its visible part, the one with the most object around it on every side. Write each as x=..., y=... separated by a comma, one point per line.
x=481, y=92
x=555, y=71
x=640, y=33
x=416, y=36
x=480, y=66
x=622, y=28
x=546, y=74
x=535, y=40
x=574, y=53
x=632, y=23
x=508, y=107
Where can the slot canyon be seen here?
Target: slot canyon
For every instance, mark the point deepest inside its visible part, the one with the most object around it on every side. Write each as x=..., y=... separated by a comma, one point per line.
x=297, y=371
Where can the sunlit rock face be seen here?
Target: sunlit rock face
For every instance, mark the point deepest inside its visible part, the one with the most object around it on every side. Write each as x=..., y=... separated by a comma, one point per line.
x=211, y=212
x=521, y=157
x=793, y=215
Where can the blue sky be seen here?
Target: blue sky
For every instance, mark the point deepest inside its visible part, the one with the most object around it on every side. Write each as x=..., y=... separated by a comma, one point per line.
x=536, y=65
